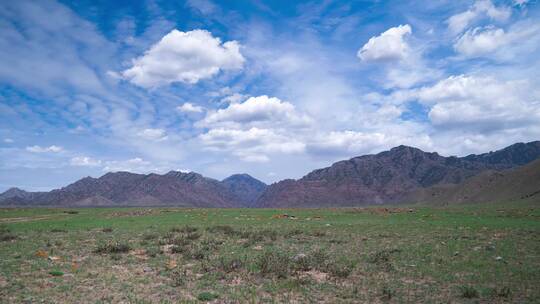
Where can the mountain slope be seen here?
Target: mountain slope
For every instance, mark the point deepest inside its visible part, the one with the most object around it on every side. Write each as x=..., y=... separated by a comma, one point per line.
x=521, y=183
x=389, y=176
x=245, y=187
x=129, y=189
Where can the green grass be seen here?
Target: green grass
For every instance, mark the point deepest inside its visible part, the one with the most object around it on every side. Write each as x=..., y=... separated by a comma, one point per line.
x=168, y=255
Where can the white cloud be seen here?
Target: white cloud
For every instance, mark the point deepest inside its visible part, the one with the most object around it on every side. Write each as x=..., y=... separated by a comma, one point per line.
x=520, y=2
x=85, y=161
x=257, y=111
x=481, y=41
x=233, y=98
x=522, y=37
x=8, y=140
x=153, y=134
x=136, y=165
x=251, y=145
x=482, y=8
x=39, y=149
x=190, y=108
x=184, y=57
x=390, y=45
x=481, y=104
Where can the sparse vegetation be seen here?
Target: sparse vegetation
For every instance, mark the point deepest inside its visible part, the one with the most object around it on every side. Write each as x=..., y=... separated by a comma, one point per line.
x=431, y=255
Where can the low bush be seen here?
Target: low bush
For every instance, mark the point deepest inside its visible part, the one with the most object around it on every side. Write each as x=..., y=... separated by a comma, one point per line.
x=340, y=268
x=468, y=292
x=207, y=296
x=274, y=262
x=113, y=247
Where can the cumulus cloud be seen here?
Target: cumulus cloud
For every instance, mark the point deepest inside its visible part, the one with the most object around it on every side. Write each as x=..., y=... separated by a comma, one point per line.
x=190, y=108
x=8, y=140
x=480, y=41
x=390, y=45
x=475, y=103
x=520, y=37
x=257, y=111
x=84, y=161
x=39, y=149
x=251, y=145
x=184, y=57
x=153, y=134
x=482, y=8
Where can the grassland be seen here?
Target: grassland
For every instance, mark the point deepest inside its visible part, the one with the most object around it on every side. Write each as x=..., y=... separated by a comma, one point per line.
x=472, y=254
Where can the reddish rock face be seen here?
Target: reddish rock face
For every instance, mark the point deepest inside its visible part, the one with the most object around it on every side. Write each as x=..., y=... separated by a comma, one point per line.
x=402, y=174
x=389, y=177
x=129, y=189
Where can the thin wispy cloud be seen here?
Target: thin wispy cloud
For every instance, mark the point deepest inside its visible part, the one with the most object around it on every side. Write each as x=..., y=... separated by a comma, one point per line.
x=272, y=90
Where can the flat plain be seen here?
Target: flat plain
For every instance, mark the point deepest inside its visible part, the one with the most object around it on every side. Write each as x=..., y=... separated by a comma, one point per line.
x=463, y=254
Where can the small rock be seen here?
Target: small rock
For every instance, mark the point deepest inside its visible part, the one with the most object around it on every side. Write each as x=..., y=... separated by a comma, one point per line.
x=54, y=258
x=456, y=253
x=499, y=258
x=147, y=269
x=258, y=247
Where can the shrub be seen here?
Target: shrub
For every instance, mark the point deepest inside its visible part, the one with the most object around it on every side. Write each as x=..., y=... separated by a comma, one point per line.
x=468, y=292
x=387, y=293
x=193, y=236
x=293, y=233
x=153, y=251
x=150, y=236
x=207, y=296
x=274, y=262
x=56, y=273
x=6, y=235
x=504, y=292
x=113, y=247
x=269, y=234
x=179, y=249
x=341, y=268
x=319, y=257
x=180, y=241
x=225, y=229
x=302, y=262
x=56, y=230
x=230, y=264
x=178, y=277
x=189, y=229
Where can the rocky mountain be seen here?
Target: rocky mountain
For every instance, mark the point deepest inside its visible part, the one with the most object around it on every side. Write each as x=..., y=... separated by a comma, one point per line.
x=521, y=183
x=403, y=174
x=389, y=177
x=130, y=189
x=245, y=187
x=15, y=193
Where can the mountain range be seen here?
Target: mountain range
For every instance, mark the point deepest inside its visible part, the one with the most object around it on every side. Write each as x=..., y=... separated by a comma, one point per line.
x=401, y=175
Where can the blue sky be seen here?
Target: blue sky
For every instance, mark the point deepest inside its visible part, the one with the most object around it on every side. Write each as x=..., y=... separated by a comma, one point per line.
x=268, y=88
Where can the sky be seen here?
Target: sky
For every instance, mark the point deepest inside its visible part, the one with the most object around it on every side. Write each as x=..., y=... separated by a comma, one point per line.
x=274, y=89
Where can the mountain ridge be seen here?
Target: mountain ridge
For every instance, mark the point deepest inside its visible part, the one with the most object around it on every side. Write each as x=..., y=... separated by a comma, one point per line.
x=392, y=176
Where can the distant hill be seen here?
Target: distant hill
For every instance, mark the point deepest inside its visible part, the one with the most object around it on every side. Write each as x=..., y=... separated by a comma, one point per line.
x=389, y=177
x=130, y=189
x=246, y=188
x=402, y=174
x=521, y=183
